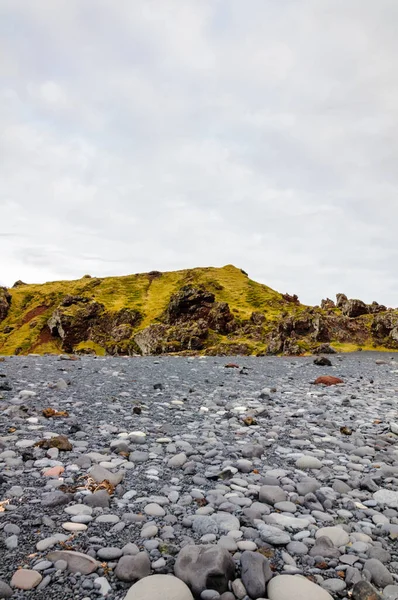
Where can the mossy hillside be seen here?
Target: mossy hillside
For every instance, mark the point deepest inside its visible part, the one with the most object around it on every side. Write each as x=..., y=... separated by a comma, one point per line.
x=33, y=304
x=25, y=327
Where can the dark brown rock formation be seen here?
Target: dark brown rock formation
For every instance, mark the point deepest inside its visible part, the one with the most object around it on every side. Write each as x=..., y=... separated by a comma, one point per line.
x=5, y=302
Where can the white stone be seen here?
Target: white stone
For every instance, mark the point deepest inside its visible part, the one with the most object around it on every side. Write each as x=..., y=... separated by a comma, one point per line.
x=78, y=509
x=336, y=534
x=104, y=588
x=289, y=587
x=388, y=497
x=154, y=510
x=159, y=587
x=286, y=521
x=74, y=526
x=308, y=462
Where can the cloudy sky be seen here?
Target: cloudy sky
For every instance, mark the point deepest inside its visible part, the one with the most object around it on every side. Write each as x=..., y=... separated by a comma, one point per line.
x=165, y=134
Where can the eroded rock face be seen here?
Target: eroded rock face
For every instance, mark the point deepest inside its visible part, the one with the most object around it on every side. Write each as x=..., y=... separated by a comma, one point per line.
x=197, y=304
x=385, y=329
x=151, y=339
x=5, y=302
x=327, y=304
x=77, y=319
x=354, y=308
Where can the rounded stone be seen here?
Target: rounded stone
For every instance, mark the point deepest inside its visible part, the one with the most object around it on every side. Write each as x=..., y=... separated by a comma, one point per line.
x=74, y=526
x=154, y=510
x=337, y=535
x=287, y=587
x=109, y=553
x=26, y=579
x=159, y=587
x=308, y=462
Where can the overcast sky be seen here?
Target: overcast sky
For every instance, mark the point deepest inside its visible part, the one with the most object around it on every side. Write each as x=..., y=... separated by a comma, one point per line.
x=165, y=134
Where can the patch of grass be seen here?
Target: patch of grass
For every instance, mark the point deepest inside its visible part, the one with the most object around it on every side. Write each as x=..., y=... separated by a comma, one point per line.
x=96, y=348
x=368, y=347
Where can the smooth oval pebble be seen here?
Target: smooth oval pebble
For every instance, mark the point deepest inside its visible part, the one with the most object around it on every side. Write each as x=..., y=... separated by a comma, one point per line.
x=159, y=587
x=74, y=526
x=295, y=587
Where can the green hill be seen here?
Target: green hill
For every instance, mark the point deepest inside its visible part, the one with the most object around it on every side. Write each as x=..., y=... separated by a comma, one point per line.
x=208, y=310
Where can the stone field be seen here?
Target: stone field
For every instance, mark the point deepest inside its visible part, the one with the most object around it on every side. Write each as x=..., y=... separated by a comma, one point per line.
x=210, y=478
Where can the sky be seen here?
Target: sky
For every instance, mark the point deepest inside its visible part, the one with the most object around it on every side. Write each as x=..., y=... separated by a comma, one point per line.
x=169, y=134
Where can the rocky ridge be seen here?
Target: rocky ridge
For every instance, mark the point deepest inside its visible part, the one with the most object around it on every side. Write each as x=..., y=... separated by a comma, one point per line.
x=209, y=311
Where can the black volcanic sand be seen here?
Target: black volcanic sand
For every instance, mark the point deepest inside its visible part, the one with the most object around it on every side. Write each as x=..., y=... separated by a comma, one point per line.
x=196, y=446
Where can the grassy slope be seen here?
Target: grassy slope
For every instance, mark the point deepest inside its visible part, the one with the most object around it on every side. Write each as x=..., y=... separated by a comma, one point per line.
x=32, y=305
x=149, y=295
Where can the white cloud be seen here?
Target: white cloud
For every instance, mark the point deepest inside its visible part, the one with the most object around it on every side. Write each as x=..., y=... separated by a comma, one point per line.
x=161, y=135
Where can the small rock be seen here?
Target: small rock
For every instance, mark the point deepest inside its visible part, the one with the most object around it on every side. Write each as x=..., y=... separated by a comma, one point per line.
x=100, y=474
x=322, y=361
x=154, y=510
x=130, y=568
x=364, y=591
x=5, y=590
x=328, y=380
x=388, y=497
x=337, y=535
x=109, y=553
x=26, y=579
x=177, y=461
x=308, y=462
x=271, y=494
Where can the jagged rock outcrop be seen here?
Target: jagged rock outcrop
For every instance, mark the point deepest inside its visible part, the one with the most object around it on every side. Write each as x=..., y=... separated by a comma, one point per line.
x=354, y=308
x=5, y=303
x=19, y=283
x=341, y=300
x=197, y=304
x=351, y=308
x=293, y=299
x=190, y=317
x=327, y=304
x=78, y=320
x=385, y=329
x=151, y=340
x=375, y=308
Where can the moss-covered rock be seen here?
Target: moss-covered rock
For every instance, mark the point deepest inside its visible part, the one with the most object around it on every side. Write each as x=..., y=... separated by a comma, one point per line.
x=5, y=302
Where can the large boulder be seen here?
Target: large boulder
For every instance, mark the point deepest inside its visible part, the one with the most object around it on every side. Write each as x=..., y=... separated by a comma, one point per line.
x=354, y=308
x=5, y=303
x=159, y=587
x=256, y=572
x=341, y=300
x=205, y=567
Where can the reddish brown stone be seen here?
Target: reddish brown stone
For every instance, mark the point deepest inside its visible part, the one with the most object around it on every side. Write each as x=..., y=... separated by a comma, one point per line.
x=328, y=380
x=364, y=591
